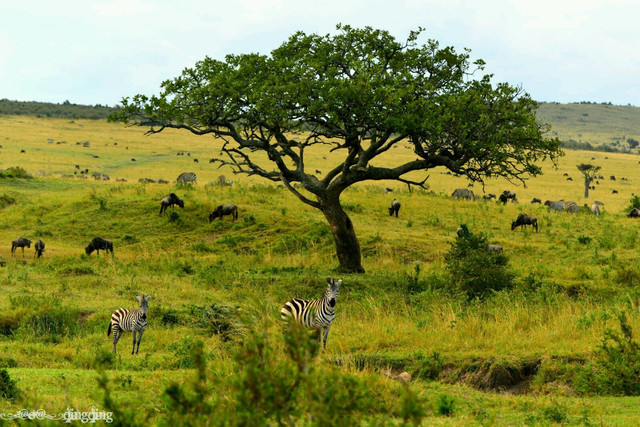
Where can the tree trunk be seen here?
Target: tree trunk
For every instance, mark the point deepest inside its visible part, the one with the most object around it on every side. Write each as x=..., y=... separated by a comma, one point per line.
x=344, y=236
x=587, y=182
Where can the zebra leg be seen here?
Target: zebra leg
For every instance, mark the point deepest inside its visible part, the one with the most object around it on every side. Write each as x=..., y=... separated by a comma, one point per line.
x=134, y=340
x=139, y=338
x=116, y=337
x=325, y=336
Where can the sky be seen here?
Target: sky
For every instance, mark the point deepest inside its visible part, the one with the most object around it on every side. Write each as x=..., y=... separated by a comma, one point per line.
x=97, y=52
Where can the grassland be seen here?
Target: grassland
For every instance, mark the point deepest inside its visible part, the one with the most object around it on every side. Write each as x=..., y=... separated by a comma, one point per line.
x=207, y=287
x=596, y=124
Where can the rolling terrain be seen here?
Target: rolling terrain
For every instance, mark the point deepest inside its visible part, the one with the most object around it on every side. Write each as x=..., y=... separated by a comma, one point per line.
x=516, y=357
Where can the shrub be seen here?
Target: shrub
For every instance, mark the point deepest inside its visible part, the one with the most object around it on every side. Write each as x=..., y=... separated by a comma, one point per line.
x=585, y=240
x=15, y=172
x=8, y=387
x=615, y=369
x=217, y=319
x=634, y=202
x=476, y=271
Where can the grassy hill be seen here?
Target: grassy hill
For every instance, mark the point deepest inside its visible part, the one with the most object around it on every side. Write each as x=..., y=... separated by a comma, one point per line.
x=521, y=356
x=603, y=126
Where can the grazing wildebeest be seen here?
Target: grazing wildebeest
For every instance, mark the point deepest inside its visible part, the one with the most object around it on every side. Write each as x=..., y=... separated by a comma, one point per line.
x=612, y=177
x=493, y=248
x=524, y=220
x=170, y=200
x=489, y=196
x=20, y=242
x=536, y=200
x=506, y=195
x=99, y=243
x=614, y=192
x=39, y=248
x=634, y=213
x=223, y=210
x=395, y=207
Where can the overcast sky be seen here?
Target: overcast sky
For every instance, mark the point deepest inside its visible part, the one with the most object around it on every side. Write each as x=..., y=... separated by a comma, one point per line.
x=96, y=52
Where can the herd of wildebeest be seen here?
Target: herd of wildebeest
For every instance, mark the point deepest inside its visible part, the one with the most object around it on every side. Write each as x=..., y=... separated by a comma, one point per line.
x=98, y=243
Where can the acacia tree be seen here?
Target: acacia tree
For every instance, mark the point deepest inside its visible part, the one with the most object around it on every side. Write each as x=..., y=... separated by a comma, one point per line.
x=360, y=92
x=590, y=172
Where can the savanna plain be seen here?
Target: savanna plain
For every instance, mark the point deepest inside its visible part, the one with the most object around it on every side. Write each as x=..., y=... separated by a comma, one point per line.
x=559, y=346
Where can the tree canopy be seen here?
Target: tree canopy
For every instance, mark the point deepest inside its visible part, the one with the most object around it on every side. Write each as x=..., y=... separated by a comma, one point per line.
x=360, y=92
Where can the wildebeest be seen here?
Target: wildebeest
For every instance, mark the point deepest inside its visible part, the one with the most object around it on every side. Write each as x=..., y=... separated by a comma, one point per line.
x=489, y=196
x=536, y=200
x=634, y=213
x=395, y=208
x=223, y=210
x=524, y=220
x=493, y=248
x=612, y=177
x=614, y=192
x=20, y=242
x=97, y=244
x=170, y=200
x=506, y=195
x=39, y=248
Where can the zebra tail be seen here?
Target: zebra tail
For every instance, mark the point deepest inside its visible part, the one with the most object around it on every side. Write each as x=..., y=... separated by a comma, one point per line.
x=109, y=330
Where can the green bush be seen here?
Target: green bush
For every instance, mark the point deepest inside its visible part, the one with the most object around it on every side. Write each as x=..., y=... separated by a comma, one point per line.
x=476, y=271
x=615, y=369
x=15, y=172
x=8, y=387
x=634, y=202
x=217, y=319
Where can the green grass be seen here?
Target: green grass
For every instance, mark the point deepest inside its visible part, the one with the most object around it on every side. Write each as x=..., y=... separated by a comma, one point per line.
x=54, y=311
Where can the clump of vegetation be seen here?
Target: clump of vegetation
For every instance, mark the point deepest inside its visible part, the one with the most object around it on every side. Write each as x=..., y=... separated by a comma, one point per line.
x=15, y=172
x=634, y=202
x=474, y=270
x=267, y=389
x=6, y=200
x=8, y=387
x=616, y=367
x=217, y=319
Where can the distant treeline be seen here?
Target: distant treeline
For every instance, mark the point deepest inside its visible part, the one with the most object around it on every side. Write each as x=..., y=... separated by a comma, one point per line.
x=576, y=145
x=66, y=110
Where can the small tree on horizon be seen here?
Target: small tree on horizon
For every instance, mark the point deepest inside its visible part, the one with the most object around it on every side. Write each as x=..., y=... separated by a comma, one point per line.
x=590, y=172
x=359, y=92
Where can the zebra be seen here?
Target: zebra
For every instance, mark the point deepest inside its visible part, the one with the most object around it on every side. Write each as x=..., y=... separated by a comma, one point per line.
x=20, y=242
x=571, y=207
x=463, y=193
x=39, y=248
x=130, y=321
x=187, y=177
x=555, y=206
x=595, y=207
x=316, y=314
x=395, y=208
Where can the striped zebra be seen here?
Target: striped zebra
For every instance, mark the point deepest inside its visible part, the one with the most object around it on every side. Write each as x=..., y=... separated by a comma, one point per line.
x=463, y=193
x=555, y=206
x=130, y=321
x=187, y=177
x=316, y=314
x=571, y=207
